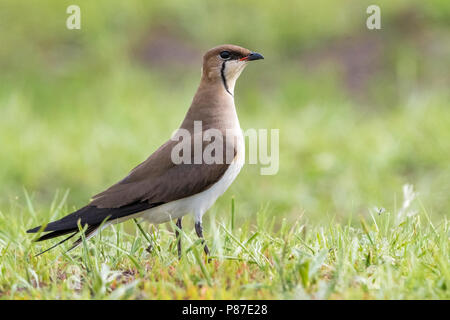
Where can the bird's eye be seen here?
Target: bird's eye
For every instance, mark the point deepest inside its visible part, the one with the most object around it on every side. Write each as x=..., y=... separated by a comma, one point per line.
x=225, y=55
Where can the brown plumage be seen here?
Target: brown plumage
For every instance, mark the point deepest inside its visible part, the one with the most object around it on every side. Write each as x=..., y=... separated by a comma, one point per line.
x=158, y=180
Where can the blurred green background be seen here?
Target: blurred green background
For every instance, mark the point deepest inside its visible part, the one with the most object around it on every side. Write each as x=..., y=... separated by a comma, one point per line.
x=361, y=112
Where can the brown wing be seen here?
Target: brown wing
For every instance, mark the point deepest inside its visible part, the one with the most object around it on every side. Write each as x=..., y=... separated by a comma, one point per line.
x=159, y=180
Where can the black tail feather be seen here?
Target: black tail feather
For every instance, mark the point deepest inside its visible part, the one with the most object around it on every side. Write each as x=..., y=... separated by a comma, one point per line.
x=92, y=215
x=54, y=246
x=55, y=234
x=89, y=231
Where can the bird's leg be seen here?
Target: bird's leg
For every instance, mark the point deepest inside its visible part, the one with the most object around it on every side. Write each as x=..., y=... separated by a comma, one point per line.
x=199, y=231
x=178, y=236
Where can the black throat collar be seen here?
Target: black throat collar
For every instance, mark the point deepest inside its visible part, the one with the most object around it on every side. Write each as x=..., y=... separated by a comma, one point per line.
x=224, y=80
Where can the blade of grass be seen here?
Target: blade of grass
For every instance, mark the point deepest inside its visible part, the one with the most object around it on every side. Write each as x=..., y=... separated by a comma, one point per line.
x=202, y=265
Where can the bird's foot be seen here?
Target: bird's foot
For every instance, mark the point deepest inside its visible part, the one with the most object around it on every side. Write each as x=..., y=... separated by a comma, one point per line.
x=178, y=236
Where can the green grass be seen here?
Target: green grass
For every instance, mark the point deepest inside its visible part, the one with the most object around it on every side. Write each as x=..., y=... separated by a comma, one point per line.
x=361, y=114
x=388, y=255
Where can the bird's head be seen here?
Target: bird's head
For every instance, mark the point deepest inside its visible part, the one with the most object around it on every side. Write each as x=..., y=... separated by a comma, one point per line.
x=225, y=63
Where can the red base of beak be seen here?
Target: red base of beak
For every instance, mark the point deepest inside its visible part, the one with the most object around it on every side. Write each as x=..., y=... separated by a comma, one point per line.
x=252, y=56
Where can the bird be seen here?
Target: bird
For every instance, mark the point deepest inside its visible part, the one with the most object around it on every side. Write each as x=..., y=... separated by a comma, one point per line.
x=160, y=189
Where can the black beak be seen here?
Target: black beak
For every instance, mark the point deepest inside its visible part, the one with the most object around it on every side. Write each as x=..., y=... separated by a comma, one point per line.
x=254, y=56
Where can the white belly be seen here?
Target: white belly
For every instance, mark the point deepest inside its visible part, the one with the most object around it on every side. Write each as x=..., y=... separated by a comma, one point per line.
x=199, y=203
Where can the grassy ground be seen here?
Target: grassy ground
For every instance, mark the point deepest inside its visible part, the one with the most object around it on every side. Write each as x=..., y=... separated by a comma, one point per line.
x=361, y=114
x=389, y=255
